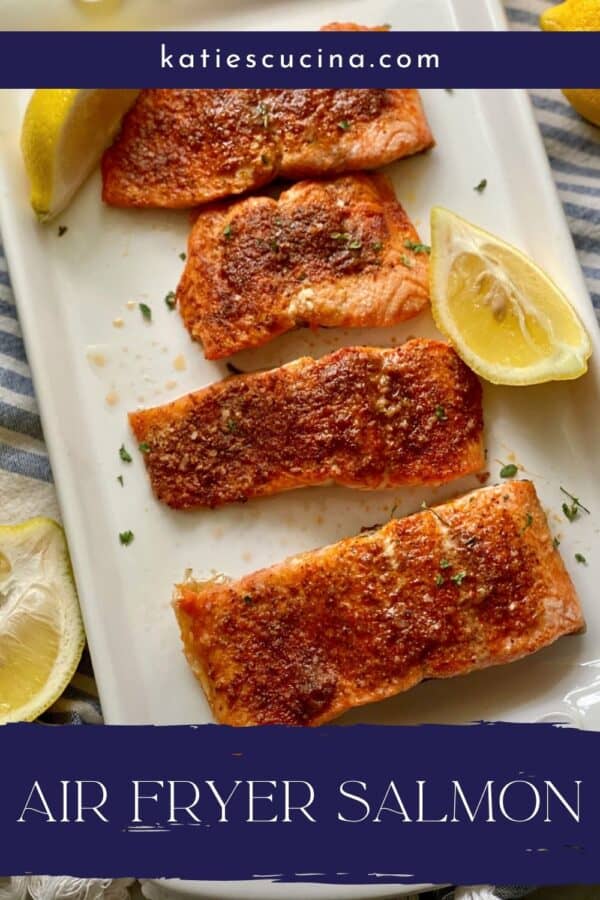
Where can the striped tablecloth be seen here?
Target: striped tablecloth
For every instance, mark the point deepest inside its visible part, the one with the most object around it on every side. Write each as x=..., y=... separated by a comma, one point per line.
x=26, y=487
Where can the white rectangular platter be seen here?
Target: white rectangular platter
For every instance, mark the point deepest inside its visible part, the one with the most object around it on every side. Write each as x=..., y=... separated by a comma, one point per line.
x=89, y=372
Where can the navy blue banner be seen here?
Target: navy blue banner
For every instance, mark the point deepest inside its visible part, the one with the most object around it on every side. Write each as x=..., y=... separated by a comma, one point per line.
x=299, y=59
x=469, y=804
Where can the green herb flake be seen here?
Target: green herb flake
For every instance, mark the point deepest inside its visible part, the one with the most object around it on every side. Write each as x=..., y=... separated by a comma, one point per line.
x=508, y=471
x=556, y=543
x=440, y=413
x=528, y=522
x=170, y=300
x=581, y=559
x=62, y=229
x=232, y=426
x=344, y=125
x=480, y=188
x=417, y=247
x=340, y=236
x=146, y=312
x=439, y=579
x=445, y=563
x=144, y=447
x=406, y=261
x=126, y=537
x=356, y=244
x=458, y=578
x=377, y=246
x=227, y=231
x=125, y=454
x=572, y=509
x=120, y=480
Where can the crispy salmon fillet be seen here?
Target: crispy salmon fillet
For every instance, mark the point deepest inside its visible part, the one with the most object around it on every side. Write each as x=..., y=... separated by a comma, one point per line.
x=362, y=417
x=473, y=583
x=337, y=253
x=181, y=148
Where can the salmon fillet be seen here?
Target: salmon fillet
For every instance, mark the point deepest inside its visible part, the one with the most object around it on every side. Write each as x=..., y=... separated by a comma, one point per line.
x=335, y=253
x=362, y=417
x=470, y=584
x=182, y=148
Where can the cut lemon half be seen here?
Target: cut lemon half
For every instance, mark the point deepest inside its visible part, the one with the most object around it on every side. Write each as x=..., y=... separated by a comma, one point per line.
x=63, y=136
x=41, y=633
x=506, y=319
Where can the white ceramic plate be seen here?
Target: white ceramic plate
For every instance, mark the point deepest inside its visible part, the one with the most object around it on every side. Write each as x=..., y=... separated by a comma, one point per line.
x=71, y=289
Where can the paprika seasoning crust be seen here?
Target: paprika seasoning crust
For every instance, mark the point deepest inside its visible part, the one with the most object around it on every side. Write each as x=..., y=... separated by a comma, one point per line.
x=339, y=252
x=362, y=417
x=473, y=583
x=182, y=148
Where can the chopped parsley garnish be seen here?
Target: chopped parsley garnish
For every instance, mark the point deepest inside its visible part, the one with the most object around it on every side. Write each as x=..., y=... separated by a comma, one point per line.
x=439, y=579
x=445, y=563
x=406, y=261
x=232, y=425
x=340, y=236
x=227, y=231
x=274, y=245
x=480, y=188
x=126, y=537
x=377, y=246
x=120, y=480
x=146, y=312
x=508, y=471
x=581, y=558
x=124, y=454
x=344, y=125
x=355, y=244
x=572, y=509
x=416, y=247
x=182, y=256
x=528, y=522
x=170, y=300
x=62, y=229
x=144, y=447
x=440, y=414
x=458, y=578
x=556, y=543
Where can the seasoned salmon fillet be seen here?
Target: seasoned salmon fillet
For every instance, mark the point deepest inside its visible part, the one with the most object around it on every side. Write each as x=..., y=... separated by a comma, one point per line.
x=182, y=148
x=470, y=584
x=362, y=417
x=336, y=253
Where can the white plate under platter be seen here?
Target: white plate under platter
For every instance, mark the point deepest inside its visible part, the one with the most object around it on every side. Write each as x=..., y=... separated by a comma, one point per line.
x=69, y=291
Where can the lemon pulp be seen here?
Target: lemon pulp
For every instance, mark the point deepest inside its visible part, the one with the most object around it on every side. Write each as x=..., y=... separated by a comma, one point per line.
x=505, y=317
x=41, y=634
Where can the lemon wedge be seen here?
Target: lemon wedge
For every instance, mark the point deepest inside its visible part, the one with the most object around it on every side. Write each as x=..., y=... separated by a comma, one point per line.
x=41, y=633
x=506, y=319
x=63, y=136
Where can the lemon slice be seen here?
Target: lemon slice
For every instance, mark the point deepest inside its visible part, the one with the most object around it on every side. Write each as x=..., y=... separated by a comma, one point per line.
x=506, y=319
x=41, y=634
x=63, y=136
